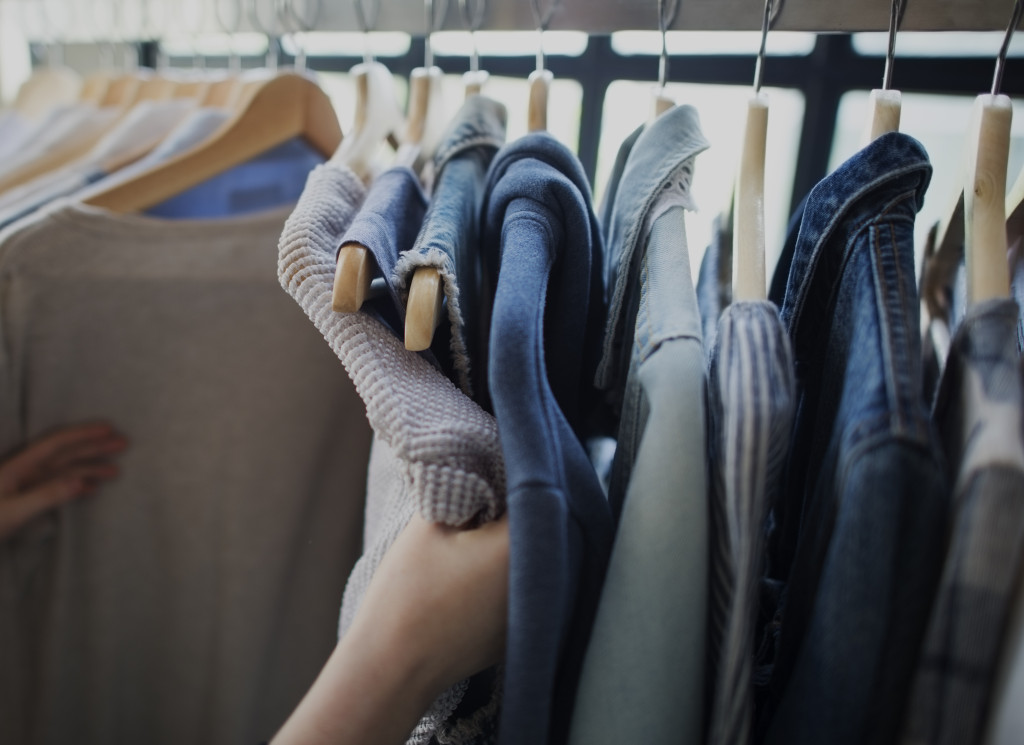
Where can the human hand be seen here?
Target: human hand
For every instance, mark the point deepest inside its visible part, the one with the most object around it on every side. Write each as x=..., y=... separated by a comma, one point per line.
x=436, y=611
x=63, y=465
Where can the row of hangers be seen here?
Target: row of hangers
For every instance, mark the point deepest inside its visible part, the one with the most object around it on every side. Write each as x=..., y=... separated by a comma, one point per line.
x=270, y=110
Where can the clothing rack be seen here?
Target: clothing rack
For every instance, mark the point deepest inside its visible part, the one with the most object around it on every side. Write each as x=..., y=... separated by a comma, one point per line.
x=605, y=16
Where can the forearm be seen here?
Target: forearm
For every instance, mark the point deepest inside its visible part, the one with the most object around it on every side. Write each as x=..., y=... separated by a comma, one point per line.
x=366, y=694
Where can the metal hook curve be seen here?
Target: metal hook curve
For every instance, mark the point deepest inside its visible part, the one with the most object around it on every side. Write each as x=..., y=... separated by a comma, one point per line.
x=473, y=18
x=667, y=12
x=997, y=78
x=435, y=20
x=896, y=10
x=772, y=11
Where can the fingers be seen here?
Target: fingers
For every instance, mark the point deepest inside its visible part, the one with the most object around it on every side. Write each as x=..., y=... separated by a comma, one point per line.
x=77, y=481
x=55, y=452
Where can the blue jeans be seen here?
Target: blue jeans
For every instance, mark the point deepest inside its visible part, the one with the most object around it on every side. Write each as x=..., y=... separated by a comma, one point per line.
x=858, y=536
x=449, y=239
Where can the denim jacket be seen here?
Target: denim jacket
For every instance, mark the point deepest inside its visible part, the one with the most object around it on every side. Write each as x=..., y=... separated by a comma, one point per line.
x=858, y=536
x=542, y=250
x=449, y=239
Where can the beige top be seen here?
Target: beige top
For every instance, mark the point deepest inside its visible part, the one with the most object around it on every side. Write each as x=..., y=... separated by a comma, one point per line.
x=435, y=450
x=194, y=599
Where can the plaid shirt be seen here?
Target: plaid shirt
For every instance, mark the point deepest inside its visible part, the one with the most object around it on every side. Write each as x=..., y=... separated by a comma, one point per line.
x=979, y=415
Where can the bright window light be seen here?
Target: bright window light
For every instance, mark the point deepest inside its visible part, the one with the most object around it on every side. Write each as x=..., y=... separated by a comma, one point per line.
x=722, y=109
x=938, y=44
x=509, y=43
x=347, y=43
x=941, y=124
x=713, y=42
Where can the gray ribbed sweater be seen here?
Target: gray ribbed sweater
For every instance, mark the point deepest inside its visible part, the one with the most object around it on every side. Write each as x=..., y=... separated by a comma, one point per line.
x=435, y=450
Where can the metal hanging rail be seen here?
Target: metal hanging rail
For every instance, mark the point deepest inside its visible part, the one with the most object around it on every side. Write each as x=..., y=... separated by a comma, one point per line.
x=606, y=16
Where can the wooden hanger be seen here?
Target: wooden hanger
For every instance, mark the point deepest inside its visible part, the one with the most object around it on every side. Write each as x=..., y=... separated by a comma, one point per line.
x=886, y=104
x=94, y=87
x=748, y=268
x=46, y=89
x=377, y=118
x=425, y=125
x=988, y=276
x=286, y=106
x=660, y=101
x=1015, y=208
x=426, y=289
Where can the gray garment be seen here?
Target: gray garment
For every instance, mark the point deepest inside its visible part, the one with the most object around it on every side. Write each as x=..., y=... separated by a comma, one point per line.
x=979, y=412
x=449, y=240
x=643, y=674
x=751, y=397
x=194, y=599
x=435, y=451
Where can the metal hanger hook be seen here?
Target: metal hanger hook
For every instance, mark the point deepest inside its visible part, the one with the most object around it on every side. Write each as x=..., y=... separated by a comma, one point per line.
x=231, y=29
x=367, y=22
x=997, y=78
x=896, y=11
x=435, y=20
x=667, y=12
x=473, y=18
x=542, y=19
x=289, y=17
x=259, y=26
x=772, y=11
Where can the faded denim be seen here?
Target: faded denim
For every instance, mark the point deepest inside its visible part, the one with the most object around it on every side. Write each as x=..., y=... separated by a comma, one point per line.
x=449, y=239
x=542, y=251
x=857, y=539
x=387, y=224
x=643, y=675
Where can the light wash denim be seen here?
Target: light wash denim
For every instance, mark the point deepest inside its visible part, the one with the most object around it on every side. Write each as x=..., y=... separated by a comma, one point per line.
x=387, y=224
x=643, y=674
x=542, y=251
x=857, y=540
x=449, y=239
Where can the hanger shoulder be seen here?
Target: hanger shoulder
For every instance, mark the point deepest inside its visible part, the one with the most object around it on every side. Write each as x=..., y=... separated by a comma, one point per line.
x=748, y=213
x=883, y=113
x=423, y=313
x=985, y=200
x=377, y=118
x=352, y=278
x=46, y=89
x=275, y=111
x=474, y=82
x=537, y=108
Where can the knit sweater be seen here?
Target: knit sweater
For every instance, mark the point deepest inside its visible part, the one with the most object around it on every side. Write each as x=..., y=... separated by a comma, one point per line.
x=435, y=450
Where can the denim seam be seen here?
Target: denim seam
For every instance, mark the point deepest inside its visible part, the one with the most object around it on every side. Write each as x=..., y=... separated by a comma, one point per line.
x=436, y=258
x=482, y=141
x=890, y=293
x=826, y=231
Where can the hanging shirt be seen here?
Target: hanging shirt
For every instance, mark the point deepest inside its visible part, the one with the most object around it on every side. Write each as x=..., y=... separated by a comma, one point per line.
x=980, y=415
x=435, y=451
x=69, y=134
x=857, y=539
x=196, y=128
x=14, y=129
x=140, y=131
x=542, y=256
x=449, y=239
x=1006, y=715
x=194, y=599
x=643, y=674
